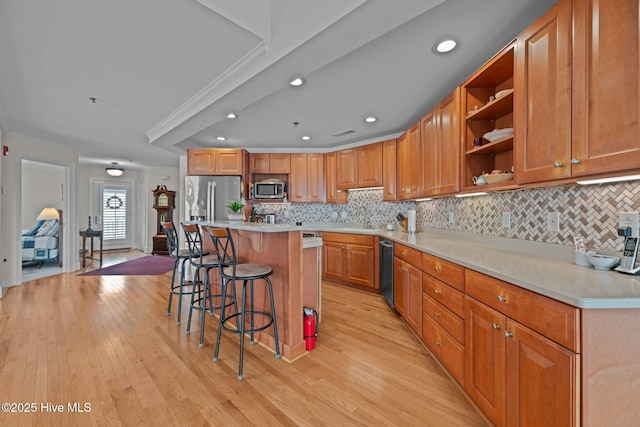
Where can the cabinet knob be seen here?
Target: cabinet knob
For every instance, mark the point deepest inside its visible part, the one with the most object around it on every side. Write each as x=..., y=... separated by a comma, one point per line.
x=495, y=326
x=558, y=164
x=438, y=342
x=502, y=299
x=437, y=314
x=438, y=268
x=437, y=291
x=508, y=334
x=404, y=252
x=576, y=161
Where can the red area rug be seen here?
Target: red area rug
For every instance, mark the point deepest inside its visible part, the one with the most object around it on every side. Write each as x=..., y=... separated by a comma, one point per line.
x=145, y=266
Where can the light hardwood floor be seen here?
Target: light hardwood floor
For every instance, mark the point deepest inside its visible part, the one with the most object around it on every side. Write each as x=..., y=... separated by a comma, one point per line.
x=107, y=341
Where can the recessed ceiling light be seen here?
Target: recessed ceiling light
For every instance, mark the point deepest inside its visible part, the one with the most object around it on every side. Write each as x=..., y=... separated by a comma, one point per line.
x=221, y=138
x=445, y=46
x=231, y=116
x=370, y=119
x=306, y=138
x=298, y=81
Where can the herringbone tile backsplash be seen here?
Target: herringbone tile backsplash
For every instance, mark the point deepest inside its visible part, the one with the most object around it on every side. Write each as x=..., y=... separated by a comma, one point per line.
x=589, y=211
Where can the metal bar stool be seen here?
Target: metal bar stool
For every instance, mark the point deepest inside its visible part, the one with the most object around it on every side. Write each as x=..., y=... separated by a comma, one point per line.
x=230, y=271
x=179, y=256
x=202, y=298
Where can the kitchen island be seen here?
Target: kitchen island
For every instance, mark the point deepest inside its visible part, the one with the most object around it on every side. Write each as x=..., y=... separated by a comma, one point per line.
x=295, y=261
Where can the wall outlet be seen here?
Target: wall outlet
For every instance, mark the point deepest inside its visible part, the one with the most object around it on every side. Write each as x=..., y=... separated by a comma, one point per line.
x=334, y=215
x=630, y=219
x=343, y=214
x=451, y=218
x=553, y=221
x=506, y=219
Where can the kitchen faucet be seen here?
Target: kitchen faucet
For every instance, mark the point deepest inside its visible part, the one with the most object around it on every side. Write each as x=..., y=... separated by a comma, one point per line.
x=362, y=212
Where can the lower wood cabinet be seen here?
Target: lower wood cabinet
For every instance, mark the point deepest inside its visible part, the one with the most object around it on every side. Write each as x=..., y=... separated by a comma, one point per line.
x=516, y=375
x=407, y=286
x=348, y=258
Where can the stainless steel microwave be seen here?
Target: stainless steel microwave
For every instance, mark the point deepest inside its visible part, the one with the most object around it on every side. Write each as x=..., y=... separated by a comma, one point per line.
x=268, y=190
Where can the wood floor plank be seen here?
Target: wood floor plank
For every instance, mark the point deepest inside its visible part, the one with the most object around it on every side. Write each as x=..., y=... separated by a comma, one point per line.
x=107, y=341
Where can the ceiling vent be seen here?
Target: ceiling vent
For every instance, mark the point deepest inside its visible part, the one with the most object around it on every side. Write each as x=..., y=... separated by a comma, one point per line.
x=346, y=132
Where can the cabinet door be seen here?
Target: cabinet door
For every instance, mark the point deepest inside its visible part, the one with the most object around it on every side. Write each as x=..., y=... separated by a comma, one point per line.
x=298, y=178
x=400, y=286
x=228, y=162
x=485, y=359
x=389, y=175
x=201, y=161
x=542, y=98
x=346, y=169
x=414, y=299
x=542, y=380
x=430, y=154
x=370, y=165
x=333, y=260
x=449, y=146
x=359, y=265
x=279, y=163
x=606, y=86
x=409, y=167
x=259, y=163
x=315, y=178
x=332, y=194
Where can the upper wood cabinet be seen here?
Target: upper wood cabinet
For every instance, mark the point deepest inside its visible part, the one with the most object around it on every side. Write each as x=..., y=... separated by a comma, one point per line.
x=389, y=168
x=214, y=161
x=542, y=98
x=359, y=167
x=306, y=180
x=487, y=104
x=333, y=195
x=409, y=163
x=606, y=87
x=440, y=134
x=269, y=163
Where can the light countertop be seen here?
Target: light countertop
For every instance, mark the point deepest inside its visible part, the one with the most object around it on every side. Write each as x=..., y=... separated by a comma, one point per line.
x=547, y=269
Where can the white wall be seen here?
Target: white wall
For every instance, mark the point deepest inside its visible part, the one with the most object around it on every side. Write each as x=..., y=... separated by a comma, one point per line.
x=42, y=186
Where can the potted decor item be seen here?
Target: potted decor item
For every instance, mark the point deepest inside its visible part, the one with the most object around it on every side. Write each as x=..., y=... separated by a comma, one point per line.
x=235, y=210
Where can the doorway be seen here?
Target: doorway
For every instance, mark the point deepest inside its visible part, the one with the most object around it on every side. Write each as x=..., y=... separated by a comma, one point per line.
x=112, y=212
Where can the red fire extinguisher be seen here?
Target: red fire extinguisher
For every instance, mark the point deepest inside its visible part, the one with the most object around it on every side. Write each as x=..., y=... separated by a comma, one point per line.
x=310, y=327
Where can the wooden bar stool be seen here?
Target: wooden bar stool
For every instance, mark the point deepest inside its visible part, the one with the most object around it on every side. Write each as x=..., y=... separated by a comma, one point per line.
x=179, y=256
x=230, y=271
x=202, y=298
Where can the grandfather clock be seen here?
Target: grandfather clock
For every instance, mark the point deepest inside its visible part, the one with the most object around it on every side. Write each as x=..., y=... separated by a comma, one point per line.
x=164, y=201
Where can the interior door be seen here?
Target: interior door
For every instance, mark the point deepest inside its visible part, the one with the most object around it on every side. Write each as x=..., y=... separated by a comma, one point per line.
x=112, y=208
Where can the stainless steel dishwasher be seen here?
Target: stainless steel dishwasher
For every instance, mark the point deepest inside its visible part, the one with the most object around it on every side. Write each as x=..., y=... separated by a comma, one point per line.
x=386, y=270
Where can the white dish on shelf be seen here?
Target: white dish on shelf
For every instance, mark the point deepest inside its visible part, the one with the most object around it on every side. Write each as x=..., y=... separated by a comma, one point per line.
x=497, y=134
x=502, y=93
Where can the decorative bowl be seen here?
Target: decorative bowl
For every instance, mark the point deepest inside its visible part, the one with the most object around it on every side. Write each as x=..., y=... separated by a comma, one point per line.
x=491, y=179
x=502, y=93
x=497, y=134
x=603, y=262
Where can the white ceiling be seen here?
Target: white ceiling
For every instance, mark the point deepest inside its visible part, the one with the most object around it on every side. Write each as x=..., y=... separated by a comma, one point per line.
x=165, y=73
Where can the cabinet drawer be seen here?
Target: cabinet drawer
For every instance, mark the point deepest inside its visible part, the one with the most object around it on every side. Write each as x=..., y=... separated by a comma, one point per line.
x=553, y=319
x=412, y=256
x=448, y=272
x=448, y=351
x=451, y=298
x=355, y=239
x=444, y=317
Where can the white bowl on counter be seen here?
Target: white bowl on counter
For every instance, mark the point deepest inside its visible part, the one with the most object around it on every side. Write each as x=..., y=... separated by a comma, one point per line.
x=603, y=262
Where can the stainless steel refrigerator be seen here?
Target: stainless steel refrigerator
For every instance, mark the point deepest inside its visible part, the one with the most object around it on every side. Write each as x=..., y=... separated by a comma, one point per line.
x=206, y=197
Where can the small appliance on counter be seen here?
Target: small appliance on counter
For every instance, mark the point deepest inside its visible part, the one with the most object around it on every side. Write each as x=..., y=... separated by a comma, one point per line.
x=270, y=219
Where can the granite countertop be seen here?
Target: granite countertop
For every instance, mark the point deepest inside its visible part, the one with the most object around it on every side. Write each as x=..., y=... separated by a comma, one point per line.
x=547, y=269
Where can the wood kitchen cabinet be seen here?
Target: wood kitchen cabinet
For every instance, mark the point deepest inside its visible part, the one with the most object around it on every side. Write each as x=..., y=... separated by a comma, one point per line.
x=215, y=161
x=359, y=167
x=276, y=163
x=348, y=258
x=440, y=134
x=389, y=168
x=333, y=195
x=409, y=163
x=306, y=180
x=485, y=112
x=542, y=97
x=407, y=285
x=517, y=374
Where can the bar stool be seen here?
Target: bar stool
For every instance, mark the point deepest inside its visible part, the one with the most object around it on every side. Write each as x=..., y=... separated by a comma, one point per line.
x=230, y=271
x=201, y=298
x=179, y=256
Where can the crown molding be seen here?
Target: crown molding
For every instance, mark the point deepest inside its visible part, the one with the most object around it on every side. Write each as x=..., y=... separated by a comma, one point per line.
x=216, y=89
